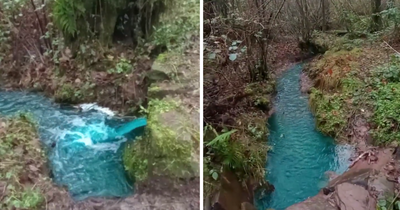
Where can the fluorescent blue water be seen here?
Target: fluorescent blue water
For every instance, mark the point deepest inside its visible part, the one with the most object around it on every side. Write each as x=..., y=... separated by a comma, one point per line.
x=84, y=148
x=301, y=155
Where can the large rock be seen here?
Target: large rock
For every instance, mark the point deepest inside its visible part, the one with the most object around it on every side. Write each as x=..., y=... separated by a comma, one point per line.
x=318, y=202
x=169, y=146
x=355, y=197
x=177, y=121
x=381, y=185
x=233, y=195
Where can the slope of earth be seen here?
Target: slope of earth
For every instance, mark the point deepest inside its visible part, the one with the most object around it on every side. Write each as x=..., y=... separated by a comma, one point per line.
x=353, y=91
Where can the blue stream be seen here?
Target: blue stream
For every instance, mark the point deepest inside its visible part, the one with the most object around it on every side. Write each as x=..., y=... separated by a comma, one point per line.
x=300, y=154
x=85, y=149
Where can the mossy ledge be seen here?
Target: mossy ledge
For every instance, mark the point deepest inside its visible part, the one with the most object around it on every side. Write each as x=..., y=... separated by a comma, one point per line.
x=168, y=146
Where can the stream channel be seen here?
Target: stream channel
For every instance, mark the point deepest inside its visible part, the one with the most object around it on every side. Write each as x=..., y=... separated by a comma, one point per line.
x=84, y=148
x=300, y=154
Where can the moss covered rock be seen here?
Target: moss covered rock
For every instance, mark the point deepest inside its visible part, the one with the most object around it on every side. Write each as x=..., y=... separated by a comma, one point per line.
x=260, y=94
x=168, y=148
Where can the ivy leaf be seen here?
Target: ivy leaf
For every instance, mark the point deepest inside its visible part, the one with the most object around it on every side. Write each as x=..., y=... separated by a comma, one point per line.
x=212, y=56
x=397, y=204
x=233, y=56
x=215, y=176
x=382, y=203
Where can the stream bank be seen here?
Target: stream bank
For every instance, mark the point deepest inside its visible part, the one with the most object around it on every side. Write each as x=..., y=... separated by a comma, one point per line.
x=353, y=93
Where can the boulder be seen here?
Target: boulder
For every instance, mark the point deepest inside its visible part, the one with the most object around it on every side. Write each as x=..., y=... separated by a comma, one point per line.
x=381, y=185
x=355, y=197
x=318, y=202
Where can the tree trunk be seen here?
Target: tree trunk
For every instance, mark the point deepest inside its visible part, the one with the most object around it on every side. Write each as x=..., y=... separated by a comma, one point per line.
x=376, y=18
x=323, y=15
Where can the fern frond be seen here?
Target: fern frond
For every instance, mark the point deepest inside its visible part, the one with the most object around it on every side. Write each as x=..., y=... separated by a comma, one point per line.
x=66, y=13
x=221, y=138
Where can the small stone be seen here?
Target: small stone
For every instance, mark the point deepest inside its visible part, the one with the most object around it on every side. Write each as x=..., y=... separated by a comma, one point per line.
x=373, y=158
x=394, y=144
x=328, y=190
x=390, y=168
x=77, y=81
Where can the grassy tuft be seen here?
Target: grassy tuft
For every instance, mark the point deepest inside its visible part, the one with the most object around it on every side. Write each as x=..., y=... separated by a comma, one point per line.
x=22, y=164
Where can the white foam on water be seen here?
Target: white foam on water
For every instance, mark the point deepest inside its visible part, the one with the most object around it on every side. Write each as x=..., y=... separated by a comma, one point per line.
x=108, y=146
x=343, y=154
x=94, y=106
x=78, y=122
x=87, y=141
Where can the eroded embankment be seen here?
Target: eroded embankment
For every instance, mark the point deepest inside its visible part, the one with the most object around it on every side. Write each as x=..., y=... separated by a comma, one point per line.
x=353, y=95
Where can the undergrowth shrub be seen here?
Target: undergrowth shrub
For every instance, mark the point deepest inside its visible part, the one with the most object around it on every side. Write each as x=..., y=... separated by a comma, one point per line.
x=178, y=24
x=390, y=73
x=74, y=93
x=386, y=116
x=225, y=152
x=329, y=112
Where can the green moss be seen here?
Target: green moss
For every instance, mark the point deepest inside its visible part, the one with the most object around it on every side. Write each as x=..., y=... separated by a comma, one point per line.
x=259, y=94
x=66, y=93
x=162, y=58
x=69, y=93
x=166, y=149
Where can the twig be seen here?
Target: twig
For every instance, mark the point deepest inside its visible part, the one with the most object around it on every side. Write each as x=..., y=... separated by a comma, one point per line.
x=391, y=204
x=359, y=158
x=391, y=47
x=39, y=22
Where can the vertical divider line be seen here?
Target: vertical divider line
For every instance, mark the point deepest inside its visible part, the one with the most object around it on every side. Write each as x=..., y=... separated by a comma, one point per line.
x=201, y=106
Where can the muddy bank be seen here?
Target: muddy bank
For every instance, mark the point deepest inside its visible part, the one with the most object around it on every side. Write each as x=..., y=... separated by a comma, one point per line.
x=372, y=177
